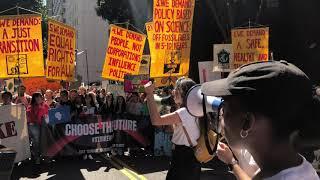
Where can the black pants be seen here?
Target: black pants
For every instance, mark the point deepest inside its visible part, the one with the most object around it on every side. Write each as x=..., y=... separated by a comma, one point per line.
x=184, y=164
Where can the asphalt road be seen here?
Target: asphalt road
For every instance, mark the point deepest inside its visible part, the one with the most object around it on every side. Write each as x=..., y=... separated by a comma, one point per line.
x=103, y=167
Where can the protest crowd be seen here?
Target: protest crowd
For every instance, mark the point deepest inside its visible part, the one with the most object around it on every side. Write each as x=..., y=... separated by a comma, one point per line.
x=245, y=109
x=85, y=103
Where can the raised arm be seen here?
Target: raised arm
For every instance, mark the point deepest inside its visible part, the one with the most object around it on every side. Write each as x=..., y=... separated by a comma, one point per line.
x=156, y=119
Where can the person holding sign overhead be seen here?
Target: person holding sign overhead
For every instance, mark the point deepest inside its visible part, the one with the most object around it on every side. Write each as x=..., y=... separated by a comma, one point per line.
x=184, y=164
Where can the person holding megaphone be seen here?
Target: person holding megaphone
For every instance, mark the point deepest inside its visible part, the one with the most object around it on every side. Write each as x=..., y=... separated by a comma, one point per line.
x=266, y=105
x=184, y=164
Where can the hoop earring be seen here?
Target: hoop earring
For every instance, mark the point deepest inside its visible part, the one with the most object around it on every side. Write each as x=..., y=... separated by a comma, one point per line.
x=243, y=134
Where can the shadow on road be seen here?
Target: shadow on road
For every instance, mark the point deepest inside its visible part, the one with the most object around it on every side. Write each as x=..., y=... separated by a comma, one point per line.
x=63, y=168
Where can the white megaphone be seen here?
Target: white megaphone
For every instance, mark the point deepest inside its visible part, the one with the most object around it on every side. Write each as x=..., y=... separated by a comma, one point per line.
x=194, y=102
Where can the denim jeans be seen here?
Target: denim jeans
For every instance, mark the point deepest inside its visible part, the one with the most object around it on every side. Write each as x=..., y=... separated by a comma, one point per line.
x=35, y=134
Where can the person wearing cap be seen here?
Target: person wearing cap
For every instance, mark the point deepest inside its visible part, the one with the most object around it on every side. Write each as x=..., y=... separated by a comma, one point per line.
x=265, y=103
x=6, y=98
x=186, y=131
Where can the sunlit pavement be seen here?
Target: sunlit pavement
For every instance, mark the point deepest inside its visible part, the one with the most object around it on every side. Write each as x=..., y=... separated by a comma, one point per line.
x=104, y=167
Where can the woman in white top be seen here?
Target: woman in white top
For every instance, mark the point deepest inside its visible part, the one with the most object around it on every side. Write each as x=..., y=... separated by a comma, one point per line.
x=183, y=164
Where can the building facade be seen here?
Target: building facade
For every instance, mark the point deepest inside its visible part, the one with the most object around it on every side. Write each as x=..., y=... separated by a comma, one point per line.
x=92, y=34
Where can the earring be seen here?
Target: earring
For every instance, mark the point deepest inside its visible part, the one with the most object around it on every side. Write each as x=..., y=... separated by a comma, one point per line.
x=243, y=134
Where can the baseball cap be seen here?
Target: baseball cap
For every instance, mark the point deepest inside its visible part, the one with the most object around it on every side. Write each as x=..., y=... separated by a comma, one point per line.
x=278, y=83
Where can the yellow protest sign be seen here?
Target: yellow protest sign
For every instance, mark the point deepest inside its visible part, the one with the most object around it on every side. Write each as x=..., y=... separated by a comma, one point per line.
x=61, y=51
x=249, y=45
x=171, y=35
x=165, y=81
x=21, y=53
x=123, y=54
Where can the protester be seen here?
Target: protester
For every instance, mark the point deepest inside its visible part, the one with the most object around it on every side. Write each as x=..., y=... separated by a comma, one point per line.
x=89, y=109
x=73, y=95
x=82, y=93
x=107, y=108
x=90, y=106
x=22, y=97
x=134, y=105
x=119, y=136
x=49, y=98
x=184, y=164
x=101, y=96
x=78, y=105
x=264, y=104
x=6, y=98
x=36, y=113
x=64, y=99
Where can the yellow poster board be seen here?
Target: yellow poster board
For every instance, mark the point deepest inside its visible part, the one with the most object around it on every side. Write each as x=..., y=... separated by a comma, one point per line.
x=170, y=37
x=123, y=54
x=61, y=51
x=21, y=53
x=249, y=45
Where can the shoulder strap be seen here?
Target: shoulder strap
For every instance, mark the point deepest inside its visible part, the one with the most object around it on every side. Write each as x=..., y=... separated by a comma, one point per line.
x=188, y=137
x=205, y=118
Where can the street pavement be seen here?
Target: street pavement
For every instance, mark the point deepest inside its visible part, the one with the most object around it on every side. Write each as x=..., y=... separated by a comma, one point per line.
x=134, y=167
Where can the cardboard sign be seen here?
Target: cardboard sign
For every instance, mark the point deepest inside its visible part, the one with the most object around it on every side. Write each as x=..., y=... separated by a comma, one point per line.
x=135, y=83
x=170, y=37
x=39, y=84
x=249, y=45
x=61, y=51
x=123, y=54
x=145, y=64
x=21, y=53
x=166, y=81
x=222, y=57
x=14, y=131
x=205, y=72
x=116, y=90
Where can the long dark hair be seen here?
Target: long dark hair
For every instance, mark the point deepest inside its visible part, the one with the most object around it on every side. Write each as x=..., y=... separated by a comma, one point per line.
x=34, y=97
x=123, y=105
x=183, y=85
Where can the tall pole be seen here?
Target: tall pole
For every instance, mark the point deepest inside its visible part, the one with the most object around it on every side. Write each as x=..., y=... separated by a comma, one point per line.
x=87, y=67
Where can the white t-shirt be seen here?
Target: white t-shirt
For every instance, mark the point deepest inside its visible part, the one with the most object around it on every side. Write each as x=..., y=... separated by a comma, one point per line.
x=191, y=125
x=305, y=171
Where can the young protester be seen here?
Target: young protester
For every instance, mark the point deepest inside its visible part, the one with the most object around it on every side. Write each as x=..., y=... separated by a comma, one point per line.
x=63, y=99
x=22, y=97
x=265, y=104
x=49, y=98
x=82, y=92
x=101, y=97
x=184, y=164
x=90, y=106
x=107, y=108
x=134, y=105
x=37, y=111
x=89, y=109
x=119, y=136
x=6, y=98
